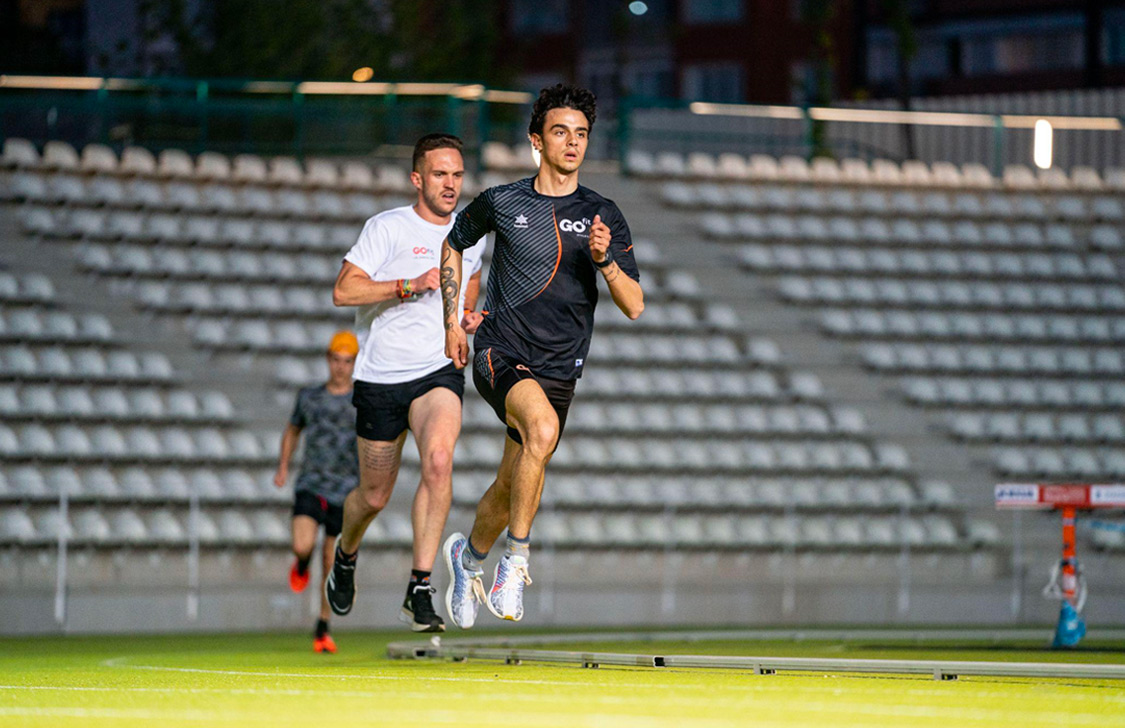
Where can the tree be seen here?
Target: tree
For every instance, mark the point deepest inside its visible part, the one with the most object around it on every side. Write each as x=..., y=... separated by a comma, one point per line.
x=329, y=39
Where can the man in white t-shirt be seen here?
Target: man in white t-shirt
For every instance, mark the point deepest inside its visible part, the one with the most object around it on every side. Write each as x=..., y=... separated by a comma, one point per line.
x=403, y=378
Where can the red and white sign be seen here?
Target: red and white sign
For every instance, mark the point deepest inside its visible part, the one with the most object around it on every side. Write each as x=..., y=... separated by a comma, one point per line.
x=1017, y=495
x=1108, y=496
x=1032, y=495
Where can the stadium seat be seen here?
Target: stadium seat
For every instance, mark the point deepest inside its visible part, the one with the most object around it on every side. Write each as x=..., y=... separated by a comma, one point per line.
x=176, y=444
x=205, y=528
x=98, y=159
x=28, y=482
x=164, y=528
x=1085, y=178
x=91, y=527
x=137, y=161
x=136, y=484
x=206, y=485
x=176, y=164
x=19, y=153
x=357, y=176
x=764, y=167
x=321, y=173
x=171, y=485
x=212, y=166
x=269, y=529
x=60, y=156
x=248, y=169
x=127, y=527
x=16, y=526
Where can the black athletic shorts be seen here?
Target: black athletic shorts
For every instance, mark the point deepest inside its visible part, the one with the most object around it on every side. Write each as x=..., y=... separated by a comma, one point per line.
x=320, y=510
x=382, y=411
x=494, y=375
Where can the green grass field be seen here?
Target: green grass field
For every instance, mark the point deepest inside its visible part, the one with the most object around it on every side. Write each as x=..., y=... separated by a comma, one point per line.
x=276, y=680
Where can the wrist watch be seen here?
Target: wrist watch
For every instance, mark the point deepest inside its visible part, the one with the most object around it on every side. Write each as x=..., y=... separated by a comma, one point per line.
x=606, y=262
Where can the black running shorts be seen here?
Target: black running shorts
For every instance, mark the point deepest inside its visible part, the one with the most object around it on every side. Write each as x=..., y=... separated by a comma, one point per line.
x=320, y=510
x=382, y=411
x=494, y=375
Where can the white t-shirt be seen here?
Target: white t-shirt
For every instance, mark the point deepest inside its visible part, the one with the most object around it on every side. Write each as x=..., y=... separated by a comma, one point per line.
x=403, y=339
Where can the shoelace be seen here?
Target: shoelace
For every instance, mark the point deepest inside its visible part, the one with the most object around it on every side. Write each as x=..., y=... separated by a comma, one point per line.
x=477, y=590
x=521, y=572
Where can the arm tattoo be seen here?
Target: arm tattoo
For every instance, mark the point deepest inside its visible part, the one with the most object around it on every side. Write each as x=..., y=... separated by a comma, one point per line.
x=611, y=276
x=450, y=290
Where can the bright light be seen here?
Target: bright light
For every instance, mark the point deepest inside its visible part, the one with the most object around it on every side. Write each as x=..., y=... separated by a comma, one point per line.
x=363, y=75
x=535, y=155
x=638, y=8
x=1044, y=144
x=768, y=112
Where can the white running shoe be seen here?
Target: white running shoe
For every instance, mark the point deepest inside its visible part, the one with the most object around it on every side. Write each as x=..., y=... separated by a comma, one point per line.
x=506, y=598
x=465, y=591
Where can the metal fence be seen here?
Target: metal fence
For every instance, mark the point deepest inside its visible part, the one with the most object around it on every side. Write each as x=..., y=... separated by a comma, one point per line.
x=993, y=131
x=259, y=117
x=358, y=119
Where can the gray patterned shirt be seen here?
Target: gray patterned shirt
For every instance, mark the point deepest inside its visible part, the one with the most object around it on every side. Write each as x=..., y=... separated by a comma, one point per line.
x=329, y=465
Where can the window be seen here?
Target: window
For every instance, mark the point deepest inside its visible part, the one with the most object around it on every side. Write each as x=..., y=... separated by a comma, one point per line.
x=1022, y=53
x=540, y=17
x=1114, y=38
x=712, y=11
x=652, y=81
x=717, y=82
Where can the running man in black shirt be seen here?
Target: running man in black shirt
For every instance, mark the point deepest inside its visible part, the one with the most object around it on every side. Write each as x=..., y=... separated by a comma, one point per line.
x=553, y=238
x=329, y=470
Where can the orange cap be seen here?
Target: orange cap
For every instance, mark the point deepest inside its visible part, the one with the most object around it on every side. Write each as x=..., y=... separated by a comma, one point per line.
x=344, y=342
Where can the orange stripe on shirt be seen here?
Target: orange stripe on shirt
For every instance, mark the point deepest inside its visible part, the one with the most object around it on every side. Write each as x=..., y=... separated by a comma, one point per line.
x=558, y=258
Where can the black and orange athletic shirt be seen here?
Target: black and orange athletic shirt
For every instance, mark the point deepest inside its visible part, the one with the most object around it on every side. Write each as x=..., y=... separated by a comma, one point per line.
x=542, y=284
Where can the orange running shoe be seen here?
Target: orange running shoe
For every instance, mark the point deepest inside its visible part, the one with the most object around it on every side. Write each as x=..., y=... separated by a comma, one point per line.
x=297, y=580
x=324, y=644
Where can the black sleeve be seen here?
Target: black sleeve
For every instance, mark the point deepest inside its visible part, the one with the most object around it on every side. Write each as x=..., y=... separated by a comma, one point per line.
x=621, y=242
x=472, y=223
x=300, y=417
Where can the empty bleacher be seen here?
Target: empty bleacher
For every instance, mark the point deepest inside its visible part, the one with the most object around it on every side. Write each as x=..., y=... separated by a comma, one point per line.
x=688, y=412
x=994, y=303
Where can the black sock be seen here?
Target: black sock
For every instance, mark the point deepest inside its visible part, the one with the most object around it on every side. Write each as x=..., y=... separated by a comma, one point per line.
x=321, y=627
x=344, y=557
x=417, y=577
x=303, y=566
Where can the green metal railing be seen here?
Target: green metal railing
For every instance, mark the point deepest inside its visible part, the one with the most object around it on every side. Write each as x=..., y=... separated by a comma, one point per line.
x=357, y=119
x=295, y=118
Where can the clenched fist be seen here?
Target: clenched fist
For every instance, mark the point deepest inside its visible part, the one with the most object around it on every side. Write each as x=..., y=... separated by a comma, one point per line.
x=428, y=281
x=599, y=239
x=471, y=322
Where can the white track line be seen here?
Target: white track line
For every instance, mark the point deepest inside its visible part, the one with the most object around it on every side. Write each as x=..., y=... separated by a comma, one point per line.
x=117, y=662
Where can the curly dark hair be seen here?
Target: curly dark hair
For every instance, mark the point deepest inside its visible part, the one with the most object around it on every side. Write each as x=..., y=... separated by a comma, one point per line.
x=562, y=97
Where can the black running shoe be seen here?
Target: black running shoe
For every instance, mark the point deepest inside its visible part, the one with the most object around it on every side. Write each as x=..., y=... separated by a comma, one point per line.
x=339, y=587
x=418, y=610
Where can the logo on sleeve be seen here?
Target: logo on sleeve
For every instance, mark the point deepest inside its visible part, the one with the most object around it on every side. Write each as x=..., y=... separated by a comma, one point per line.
x=578, y=362
x=521, y=222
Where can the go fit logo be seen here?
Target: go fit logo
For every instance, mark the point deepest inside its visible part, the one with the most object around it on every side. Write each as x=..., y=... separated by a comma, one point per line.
x=422, y=250
x=576, y=226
